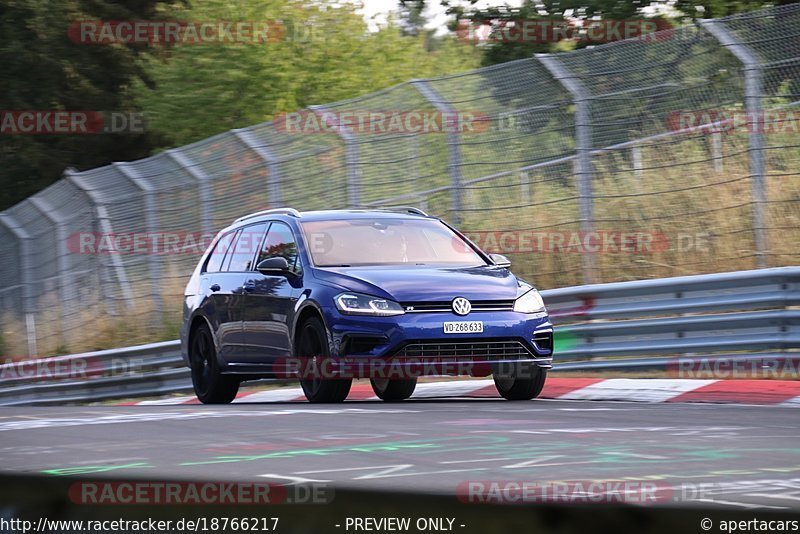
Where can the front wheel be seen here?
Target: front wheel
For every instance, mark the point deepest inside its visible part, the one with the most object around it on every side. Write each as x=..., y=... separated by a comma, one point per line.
x=523, y=382
x=393, y=390
x=210, y=385
x=312, y=346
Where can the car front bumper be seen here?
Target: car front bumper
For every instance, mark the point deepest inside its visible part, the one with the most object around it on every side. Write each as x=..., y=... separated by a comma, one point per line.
x=415, y=343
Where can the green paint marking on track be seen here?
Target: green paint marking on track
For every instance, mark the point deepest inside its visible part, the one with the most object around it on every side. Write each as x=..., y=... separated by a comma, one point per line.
x=87, y=469
x=421, y=446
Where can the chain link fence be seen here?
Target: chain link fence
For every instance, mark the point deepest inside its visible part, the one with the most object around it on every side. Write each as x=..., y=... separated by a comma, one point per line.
x=660, y=156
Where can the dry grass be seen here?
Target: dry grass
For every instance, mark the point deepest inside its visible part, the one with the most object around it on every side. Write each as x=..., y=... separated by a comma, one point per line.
x=94, y=327
x=698, y=218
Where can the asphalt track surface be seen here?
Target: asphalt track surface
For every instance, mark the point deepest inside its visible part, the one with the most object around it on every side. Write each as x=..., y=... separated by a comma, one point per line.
x=733, y=456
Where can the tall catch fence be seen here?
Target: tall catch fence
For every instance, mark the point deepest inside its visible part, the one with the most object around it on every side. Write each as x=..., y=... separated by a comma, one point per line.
x=674, y=154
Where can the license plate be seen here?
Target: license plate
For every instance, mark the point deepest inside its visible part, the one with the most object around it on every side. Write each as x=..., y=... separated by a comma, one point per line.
x=463, y=327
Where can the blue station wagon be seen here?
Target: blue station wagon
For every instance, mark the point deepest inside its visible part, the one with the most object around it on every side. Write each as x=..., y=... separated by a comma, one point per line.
x=331, y=296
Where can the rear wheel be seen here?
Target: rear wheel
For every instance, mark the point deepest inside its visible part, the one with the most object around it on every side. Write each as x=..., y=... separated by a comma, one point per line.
x=210, y=385
x=312, y=346
x=393, y=390
x=521, y=382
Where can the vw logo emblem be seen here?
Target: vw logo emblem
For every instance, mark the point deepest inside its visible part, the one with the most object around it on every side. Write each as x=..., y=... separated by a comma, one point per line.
x=461, y=306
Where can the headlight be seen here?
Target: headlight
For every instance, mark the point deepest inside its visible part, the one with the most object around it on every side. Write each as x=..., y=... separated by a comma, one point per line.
x=358, y=304
x=530, y=302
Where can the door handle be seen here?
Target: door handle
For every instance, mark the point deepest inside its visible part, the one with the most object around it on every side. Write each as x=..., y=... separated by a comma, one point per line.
x=249, y=286
x=215, y=287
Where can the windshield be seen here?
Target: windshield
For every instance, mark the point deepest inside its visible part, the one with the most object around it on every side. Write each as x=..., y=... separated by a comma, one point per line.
x=383, y=241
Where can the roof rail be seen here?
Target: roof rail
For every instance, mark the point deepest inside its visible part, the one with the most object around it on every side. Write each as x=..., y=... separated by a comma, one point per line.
x=275, y=211
x=406, y=209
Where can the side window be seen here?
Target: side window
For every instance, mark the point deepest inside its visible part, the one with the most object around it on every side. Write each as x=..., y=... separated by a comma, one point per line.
x=245, y=248
x=217, y=255
x=227, y=261
x=280, y=242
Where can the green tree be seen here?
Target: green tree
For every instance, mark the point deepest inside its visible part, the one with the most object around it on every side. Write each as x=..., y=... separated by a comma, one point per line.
x=44, y=70
x=708, y=9
x=499, y=49
x=327, y=54
x=498, y=15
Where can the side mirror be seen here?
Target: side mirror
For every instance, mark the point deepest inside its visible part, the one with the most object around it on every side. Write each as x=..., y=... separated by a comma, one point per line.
x=500, y=260
x=274, y=266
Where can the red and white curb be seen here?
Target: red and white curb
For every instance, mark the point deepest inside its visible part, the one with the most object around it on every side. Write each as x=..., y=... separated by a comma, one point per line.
x=772, y=392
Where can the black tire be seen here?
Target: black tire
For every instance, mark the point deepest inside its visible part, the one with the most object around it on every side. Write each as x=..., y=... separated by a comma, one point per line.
x=393, y=390
x=524, y=382
x=312, y=342
x=210, y=385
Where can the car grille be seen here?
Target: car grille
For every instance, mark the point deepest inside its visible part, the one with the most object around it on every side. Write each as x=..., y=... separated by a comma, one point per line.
x=465, y=349
x=477, y=305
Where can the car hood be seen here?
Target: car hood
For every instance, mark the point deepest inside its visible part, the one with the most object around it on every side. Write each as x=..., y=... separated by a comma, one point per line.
x=422, y=283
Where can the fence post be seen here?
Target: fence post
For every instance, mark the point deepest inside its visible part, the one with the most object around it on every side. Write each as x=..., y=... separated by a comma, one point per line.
x=203, y=190
x=525, y=186
x=151, y=222
x=453, y=144
x=351, y=157
x=273, y=165
x=63, y=263
x=106, y=228
x=26, y=268
x=636, y=159
x=583, y=152
x=716, y=151
x=753, y=92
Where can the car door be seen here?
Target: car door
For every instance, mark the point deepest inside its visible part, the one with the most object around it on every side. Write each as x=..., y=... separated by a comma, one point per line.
x=237, y=270
x=219, y=288
x=270, y=299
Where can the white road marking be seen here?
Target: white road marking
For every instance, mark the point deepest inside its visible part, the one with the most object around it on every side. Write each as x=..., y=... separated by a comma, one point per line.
x=272, y=395
x=136, y=417
x=167, y=401
x=791, y=402
x=746, y=505
x=477, y=460
x=774, y=496
x=650, y=390
x=453, y=388
x=534, y=462
x=294, y=480
x=388, y=471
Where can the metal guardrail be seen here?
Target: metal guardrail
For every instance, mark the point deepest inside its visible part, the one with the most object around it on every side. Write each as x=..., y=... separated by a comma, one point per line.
x=744, y=315
x=741, y=316
x=129, y=372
